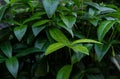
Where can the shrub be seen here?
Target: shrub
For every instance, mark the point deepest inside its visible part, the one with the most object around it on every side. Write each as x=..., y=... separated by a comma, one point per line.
x=58, y=39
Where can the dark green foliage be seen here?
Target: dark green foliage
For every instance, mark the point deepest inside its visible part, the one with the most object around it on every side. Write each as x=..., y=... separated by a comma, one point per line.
x=59, y=39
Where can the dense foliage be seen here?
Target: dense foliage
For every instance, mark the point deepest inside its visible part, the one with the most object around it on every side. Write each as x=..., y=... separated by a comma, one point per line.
x=59, y=39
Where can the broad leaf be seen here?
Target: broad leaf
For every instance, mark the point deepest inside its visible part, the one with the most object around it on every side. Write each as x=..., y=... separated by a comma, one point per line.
x=59, y=36
x=85, y=41
x=54, y=47
x=104, y=28
x=81, y=49
x=101, y=50
x=64, y=72
x=6, y=49
x=37, y=30
x=50, y=6
x=12, y=65
x=20, y=31
x=68, y=20
x=2, y=11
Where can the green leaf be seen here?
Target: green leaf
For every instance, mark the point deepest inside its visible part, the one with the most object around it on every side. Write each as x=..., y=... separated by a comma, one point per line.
x=27, y=52
x=101, y=50
x=6, y=48
x=64, y=72
x=81, y=49
x=59, y=36
x=68, y=20
x=66, y=28
x=92, y=4
x=76, y=57
x=39, y=23
x=50, y=6
x=12, y=65
x=35, y=16
x=104, y=28
x=54, y=47
x=37, y=30
x=85, y=41
x=2, y=11
x=20, y=31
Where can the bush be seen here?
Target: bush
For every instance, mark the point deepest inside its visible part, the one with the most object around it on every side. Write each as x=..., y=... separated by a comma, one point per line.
x=59, y=39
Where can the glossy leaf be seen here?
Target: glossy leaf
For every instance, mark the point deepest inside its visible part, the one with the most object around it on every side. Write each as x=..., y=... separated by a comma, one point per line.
x=101, y=50
x=54, y=47
x=64, y=72
x=50, y=6
x=59, y=36
x=12, y=65
x=68, y=20
x=20, y=31
x=6, y=49
x=104, y=27
x=81, y=49
x=85, y=41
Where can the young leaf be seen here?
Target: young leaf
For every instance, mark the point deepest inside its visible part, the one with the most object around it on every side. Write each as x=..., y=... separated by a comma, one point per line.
x=85, y=41
x=20, y=31
x=101, y=50
x=104, y=28
x=53, y=47
x=2, y=11
x=12, y=65
x=59, y=36
x=50, y=6
x=6, y=48
x=64, y=72
x=68, y=20
x=81, y=49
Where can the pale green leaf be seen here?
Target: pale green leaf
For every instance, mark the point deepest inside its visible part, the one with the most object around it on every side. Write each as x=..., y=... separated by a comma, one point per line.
x=64, y=72
x=85, y=41
x=81, y=49
x=54, y=47
x=59, y=36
